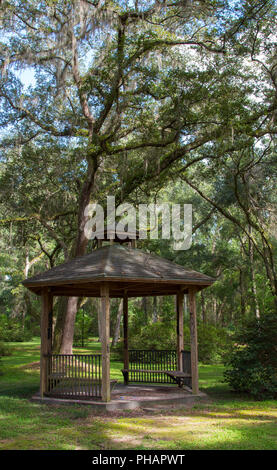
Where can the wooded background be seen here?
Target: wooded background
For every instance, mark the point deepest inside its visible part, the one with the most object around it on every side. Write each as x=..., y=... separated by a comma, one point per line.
x=150, y=102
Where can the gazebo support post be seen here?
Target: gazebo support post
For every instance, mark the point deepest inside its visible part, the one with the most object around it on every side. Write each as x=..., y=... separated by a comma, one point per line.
x=193, y=340
x=105, y=335
x=180, y=328
x=125, y=335
x=46, y=337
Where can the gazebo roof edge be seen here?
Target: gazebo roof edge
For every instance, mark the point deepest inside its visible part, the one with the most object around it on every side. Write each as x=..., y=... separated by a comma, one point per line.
x=118, y=263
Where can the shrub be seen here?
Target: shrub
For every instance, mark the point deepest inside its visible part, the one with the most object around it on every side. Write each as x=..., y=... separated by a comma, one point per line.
x=252, y=364
x=160, y=335
x=81, y=328
x=11, y=330
x=4, y=350
x=212, y=341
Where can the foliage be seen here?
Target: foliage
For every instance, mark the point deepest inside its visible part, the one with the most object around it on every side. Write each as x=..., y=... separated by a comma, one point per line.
x=160, y=335
x=140, y=100
x=213, y=342
x=82, y=328
x=252, y=365
x=11, y=330
x=4, y=350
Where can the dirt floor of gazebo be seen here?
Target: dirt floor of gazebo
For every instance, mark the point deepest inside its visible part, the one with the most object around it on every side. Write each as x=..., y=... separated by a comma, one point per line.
x=130, y=397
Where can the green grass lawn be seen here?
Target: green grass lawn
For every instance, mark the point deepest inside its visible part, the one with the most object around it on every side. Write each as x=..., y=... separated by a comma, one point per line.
x=224, y=421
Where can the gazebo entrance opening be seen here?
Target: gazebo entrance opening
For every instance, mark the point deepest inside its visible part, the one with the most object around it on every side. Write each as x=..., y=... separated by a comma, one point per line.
x=116, y=271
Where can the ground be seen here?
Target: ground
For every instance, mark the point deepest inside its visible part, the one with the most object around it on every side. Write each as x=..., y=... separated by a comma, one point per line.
x=224, y=421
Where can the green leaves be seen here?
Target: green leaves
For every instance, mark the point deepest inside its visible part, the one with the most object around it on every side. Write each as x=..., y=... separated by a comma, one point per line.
x=252, y=366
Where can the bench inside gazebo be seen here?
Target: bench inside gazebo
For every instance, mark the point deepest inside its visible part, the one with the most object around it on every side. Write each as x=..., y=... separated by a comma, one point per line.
x=116, y=270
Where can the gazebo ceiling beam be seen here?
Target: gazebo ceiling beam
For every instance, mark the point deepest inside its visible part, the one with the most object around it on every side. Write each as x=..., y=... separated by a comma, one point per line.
x=117, y=289
x=117, y=293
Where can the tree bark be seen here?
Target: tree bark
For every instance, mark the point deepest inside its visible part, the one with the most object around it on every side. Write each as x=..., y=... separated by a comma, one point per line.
x=116, y=335
x=214, y=307
x=242, y=292
x=252, y=277
x=155, y=310
x=144, y=307
x=203, y=308
x=99, y=319
x=64, y=331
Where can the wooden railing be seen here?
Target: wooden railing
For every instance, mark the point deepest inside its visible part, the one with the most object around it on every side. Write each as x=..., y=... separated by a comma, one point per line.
x=151, y=366
x=148, y=366
x=74, y=375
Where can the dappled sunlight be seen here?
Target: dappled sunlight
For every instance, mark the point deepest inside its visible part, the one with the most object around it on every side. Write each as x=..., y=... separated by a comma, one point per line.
x=265, y=415
x=77, y=427
x=199, y=431
x=230, y=422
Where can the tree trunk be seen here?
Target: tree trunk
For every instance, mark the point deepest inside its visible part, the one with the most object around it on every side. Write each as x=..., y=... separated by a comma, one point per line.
x=215, y=310
x=61, y=308
x=252, y=277
x=220, y=312
x=64, y=331
x=242, y=292
x=203, y=308
x=144, y=307
x=155, y=310
x=116, y=335
x=270, y=271
x=68, y=325
x=186, y=312
x=99, y=318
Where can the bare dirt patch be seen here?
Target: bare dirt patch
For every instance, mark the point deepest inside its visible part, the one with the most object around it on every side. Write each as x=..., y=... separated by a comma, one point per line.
x=31, y=365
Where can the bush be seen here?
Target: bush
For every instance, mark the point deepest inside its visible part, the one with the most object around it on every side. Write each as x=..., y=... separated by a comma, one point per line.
x=4, y=350
x=81, y=328
x=11, y=330
x=252, y=364
x=160, y=335
x=213, y=342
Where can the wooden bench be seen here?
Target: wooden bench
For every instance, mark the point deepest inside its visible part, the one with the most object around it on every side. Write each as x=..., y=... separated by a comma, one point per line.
x=142, y=375
x=157, y=367
x=179, y=377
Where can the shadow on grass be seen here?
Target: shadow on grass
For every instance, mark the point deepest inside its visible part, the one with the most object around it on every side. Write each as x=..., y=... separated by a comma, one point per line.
x=29, y=425
x=226, y=420
x=200, y=430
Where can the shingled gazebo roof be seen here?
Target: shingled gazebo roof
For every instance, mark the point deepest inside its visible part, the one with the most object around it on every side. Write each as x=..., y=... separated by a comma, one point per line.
x=124, y=268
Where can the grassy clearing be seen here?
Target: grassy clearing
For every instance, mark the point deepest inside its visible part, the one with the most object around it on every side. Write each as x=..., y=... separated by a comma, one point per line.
x=225, y=421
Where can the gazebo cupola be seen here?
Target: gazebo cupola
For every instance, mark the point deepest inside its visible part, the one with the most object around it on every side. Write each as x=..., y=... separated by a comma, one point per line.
x=118, y=270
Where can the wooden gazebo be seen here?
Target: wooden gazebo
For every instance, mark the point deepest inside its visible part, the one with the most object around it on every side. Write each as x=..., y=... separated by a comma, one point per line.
x=111, y=271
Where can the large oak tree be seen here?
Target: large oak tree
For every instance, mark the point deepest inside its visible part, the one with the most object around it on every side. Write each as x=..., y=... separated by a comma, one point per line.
x=136, y=87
